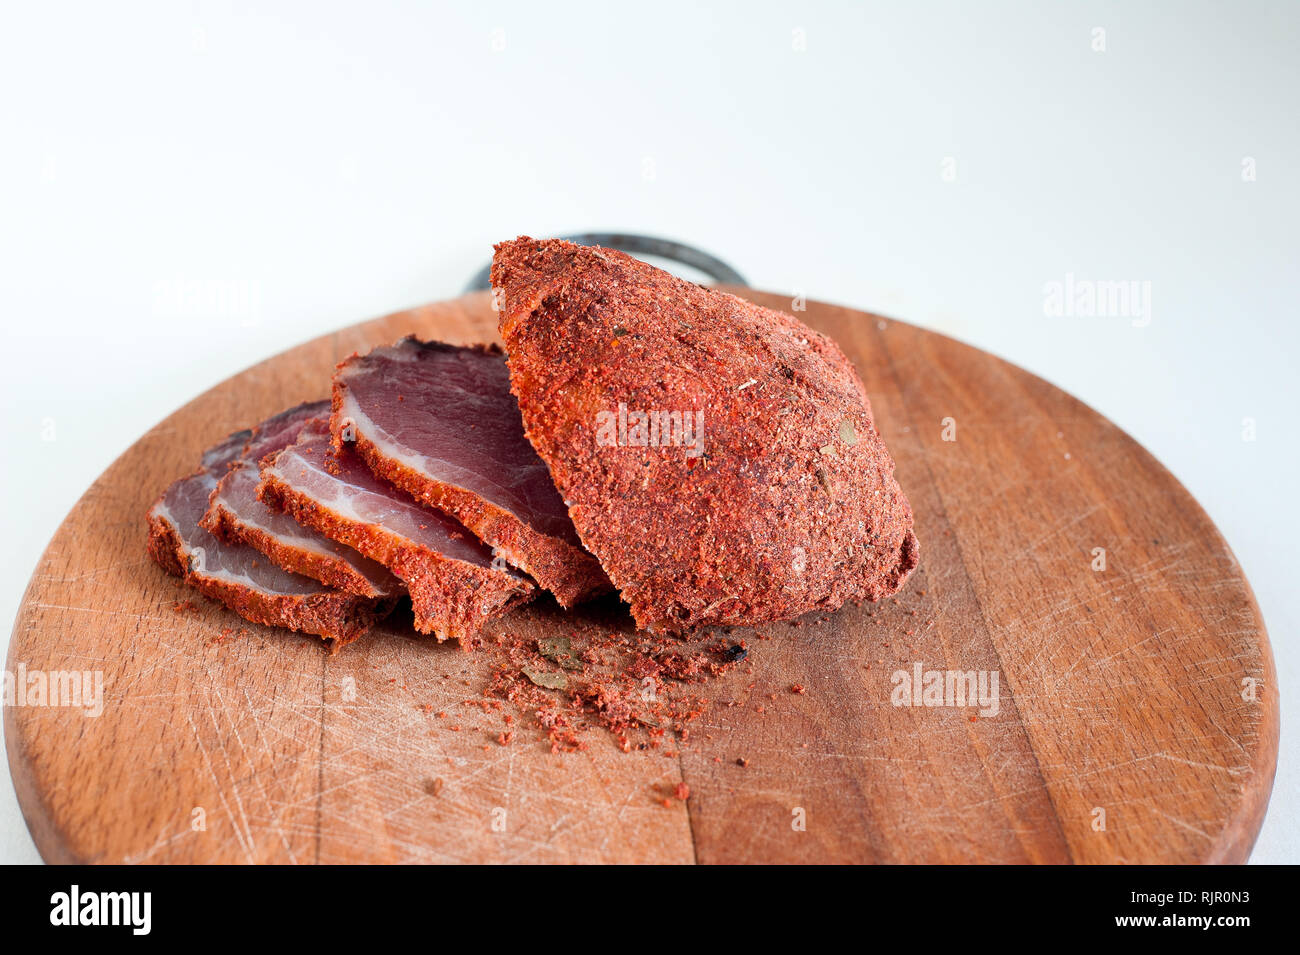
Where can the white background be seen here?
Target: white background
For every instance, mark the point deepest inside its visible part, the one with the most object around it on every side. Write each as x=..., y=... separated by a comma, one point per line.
x=319, y=163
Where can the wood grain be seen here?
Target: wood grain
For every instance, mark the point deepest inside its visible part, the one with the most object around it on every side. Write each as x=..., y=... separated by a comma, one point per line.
x=1121, y=689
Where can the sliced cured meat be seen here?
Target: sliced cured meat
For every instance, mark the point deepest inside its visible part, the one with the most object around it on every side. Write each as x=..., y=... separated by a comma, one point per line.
x=439, y=422
x=454, y=583
x=274, y=432
x=241, y=577
x=226, y=451
x=235, y=515
x=282, y=430
x=719, y=458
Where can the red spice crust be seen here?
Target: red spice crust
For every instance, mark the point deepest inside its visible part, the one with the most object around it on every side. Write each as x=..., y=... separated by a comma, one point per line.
x=451, y=598
x=793, y=507
x=568, y=572
x=164, y=546
x=336, y=617
x=227, y=527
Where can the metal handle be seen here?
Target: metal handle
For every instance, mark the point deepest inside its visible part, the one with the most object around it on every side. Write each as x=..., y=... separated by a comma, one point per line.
x=710, y=265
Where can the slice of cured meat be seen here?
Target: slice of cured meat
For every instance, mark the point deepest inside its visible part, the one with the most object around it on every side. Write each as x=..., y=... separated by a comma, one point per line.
x=235, y=515
x=719, y=458
x=455, y=584
x=241, y=577
x=439, y=422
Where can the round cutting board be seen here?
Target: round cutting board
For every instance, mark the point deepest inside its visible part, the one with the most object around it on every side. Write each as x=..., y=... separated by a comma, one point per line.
x=1135, y=720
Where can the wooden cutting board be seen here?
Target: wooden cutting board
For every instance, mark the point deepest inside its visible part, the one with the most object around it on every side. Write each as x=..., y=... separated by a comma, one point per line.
x=1137, y=717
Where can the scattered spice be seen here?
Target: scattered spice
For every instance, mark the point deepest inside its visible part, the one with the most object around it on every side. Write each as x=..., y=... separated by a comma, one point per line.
x=551, y=681
x=559, y=650
x=633, y=684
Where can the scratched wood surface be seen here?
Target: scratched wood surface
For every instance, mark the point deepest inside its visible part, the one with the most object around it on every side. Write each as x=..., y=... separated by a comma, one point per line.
x=1126, y=731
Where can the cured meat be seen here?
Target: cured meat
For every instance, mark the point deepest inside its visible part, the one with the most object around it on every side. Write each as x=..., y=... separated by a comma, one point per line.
x=235, y=515
x=280, y=431
x=454, y=583
x=439, y=422
x=241, y=577
x=719, y=458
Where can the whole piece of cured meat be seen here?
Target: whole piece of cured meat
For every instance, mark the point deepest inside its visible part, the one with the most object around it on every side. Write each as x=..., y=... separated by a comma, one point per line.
x=455, y=584
x=439, y=422
x=240, y=576
x=235, y=515
x=719, y=458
